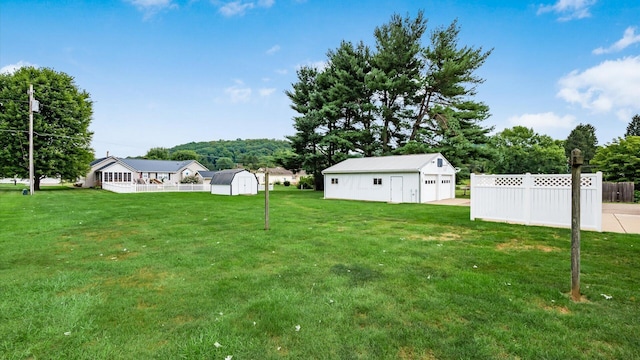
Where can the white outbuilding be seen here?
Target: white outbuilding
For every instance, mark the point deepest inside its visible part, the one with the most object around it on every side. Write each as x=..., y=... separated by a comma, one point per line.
x=234, y=182
x=398, y=179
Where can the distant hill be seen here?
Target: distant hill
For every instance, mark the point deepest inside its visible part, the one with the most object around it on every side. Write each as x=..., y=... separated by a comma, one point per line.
x=251, y=153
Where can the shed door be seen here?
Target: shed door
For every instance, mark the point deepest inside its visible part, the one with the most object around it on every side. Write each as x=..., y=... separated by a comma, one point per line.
x=244, y=186
x=396, y=189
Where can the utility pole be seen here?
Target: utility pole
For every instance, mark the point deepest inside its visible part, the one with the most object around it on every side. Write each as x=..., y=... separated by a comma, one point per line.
x=576, y=169
x=31, y=172
x=266, y=199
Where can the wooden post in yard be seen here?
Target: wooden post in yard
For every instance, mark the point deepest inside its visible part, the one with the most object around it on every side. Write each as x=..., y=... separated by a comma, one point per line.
x=576, y=169
x=266, y=200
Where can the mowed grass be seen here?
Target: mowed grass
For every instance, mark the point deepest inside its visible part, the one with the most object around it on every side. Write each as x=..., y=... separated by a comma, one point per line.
x=88, y=274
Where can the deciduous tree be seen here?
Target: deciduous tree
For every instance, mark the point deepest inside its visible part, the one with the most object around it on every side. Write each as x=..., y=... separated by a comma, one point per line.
x=157, y=153
x=61, y=141
x=619, y=160
x=520, y=150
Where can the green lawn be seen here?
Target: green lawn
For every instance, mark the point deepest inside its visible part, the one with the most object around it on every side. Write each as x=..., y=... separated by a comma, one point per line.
x=88, y=274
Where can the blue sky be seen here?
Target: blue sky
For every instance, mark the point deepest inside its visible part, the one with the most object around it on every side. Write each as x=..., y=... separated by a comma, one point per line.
x=167, y=72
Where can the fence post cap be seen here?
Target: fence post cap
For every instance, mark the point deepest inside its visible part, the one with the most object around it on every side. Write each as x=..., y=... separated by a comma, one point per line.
x=576, y=157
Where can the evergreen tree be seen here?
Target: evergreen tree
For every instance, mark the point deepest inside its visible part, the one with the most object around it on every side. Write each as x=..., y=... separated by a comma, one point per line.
x=583, y=137
x=394, y=77
x=306, y=142
x=633, y=129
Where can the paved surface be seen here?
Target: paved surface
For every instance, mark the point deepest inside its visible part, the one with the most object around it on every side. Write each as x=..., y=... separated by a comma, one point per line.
x=616, y=217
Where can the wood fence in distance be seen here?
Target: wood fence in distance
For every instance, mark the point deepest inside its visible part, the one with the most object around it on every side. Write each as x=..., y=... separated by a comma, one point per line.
x=617, y=192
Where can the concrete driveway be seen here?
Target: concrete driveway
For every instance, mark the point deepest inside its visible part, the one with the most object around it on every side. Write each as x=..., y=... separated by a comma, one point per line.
x=616, y=217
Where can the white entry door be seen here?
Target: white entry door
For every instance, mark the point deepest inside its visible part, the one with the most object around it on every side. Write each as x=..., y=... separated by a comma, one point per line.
x=396, y=189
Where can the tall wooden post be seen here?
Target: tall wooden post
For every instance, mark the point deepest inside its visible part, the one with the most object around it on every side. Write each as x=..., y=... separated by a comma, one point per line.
x=31, y=171
x=576, y=169
x=266, y=200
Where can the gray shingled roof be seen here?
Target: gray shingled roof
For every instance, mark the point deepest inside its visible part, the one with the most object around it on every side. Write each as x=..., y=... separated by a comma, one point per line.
x=224, y=177
x=166, y=166
x=396, y=163
x=206, y=174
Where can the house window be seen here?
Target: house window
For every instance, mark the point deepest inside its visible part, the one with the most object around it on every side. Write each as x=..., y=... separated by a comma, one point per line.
x=334, y=180
x=377, y=181
x=439, y=162
x=127, y=177
x=110, y=177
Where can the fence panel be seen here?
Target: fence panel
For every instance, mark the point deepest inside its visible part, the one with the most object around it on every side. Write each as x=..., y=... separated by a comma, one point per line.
x=617, y=192
x=543, y=199
x=137, y=188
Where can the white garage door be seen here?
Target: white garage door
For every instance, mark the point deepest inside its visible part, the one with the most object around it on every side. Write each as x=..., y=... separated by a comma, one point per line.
x=429, y=188
x=445, y=187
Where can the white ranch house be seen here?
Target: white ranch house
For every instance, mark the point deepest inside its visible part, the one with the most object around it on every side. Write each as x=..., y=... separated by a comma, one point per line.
x=279, y=175
x=234, y=182
x=398, y=179
x=140, y=171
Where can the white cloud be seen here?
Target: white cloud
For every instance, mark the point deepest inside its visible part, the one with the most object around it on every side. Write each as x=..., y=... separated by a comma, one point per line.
x=274, y=49
x=266, y=91
x=543, y=121
x=629, y=38
x=569, y=9
x=611, y=86
x=240, y=7
x=152, y=7
x=266, y=3
x=235, y=8
x=238, y=93
x=11, y=68
x=282, y=71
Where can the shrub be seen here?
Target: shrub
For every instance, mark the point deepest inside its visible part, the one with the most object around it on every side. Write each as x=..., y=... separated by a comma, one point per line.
x=636, y=196
x=191, y=179
x=306, y=182
x=286, y=183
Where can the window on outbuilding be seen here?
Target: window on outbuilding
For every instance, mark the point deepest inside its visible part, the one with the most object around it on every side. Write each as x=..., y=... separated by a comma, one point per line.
x=334, y=180
x=440, y=162
x=377, y=181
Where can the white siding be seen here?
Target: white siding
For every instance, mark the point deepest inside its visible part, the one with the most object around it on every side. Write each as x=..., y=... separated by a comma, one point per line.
x=428, y=182
x=221, y=189
x=363, y=187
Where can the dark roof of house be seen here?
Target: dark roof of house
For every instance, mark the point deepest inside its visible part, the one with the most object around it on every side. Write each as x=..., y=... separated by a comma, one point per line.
x=206, y=174
x=105, y=165
x=224, y=177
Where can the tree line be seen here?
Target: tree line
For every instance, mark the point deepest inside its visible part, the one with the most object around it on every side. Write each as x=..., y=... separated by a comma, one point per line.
x=224, y=154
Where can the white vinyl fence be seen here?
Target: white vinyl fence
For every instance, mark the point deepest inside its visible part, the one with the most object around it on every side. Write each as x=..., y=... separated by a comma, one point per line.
x=543, y=199
x=138, y=188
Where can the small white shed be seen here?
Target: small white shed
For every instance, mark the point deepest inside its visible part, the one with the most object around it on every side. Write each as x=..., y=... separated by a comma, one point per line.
x=398, y=179
x=234, y=182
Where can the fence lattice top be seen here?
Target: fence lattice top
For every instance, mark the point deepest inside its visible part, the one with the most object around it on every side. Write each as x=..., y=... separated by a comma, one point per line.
x=540, y=180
